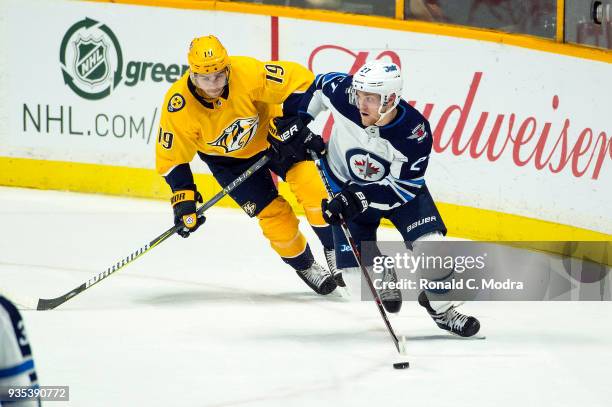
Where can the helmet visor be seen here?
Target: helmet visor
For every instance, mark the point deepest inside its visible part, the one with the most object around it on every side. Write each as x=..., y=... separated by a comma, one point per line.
x=211, y=83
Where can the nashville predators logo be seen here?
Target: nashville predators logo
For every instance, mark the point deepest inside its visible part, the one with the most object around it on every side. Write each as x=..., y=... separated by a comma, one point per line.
x=250, y=208
x=176, y=103
x=237, y=135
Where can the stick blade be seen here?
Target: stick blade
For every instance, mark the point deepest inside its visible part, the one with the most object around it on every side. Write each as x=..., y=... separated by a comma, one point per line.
x=402, y=345
x=47, y=304
x=52, y=303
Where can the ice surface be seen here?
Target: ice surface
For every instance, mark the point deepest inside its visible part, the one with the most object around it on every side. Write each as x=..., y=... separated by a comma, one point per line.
x=219, y=320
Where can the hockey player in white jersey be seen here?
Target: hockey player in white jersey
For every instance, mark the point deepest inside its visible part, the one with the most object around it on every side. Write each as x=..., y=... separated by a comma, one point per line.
x=16, y=363
x=375, y=162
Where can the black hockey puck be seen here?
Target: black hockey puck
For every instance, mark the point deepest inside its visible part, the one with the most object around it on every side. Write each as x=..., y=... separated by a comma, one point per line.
x=401, y=365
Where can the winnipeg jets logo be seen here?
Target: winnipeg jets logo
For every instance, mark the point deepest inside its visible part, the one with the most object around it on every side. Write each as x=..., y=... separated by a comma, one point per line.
x=237, y=135
x=419, y=133
x=367, y=168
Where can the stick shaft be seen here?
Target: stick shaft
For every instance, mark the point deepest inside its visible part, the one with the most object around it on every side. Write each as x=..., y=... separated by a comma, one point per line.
x=357, y=255
x=46, y=304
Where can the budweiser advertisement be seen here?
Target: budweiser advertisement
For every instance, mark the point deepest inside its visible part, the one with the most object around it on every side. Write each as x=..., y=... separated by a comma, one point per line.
x=515, y=130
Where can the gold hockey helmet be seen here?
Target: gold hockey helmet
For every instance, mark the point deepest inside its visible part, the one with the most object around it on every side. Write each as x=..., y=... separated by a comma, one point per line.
x=207, y=55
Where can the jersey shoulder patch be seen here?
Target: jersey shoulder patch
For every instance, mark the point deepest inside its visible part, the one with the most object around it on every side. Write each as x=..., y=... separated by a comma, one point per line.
x=419, y=129
x=409, y=131
x=419, y=133
x=176, y=103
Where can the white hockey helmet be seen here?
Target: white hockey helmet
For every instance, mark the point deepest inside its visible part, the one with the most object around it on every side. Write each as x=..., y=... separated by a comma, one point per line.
x=383, y=78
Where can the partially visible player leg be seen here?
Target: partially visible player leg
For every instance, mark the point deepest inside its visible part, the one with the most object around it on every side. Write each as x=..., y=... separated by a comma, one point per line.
x=442, y=311
x=390, y=297
x=363, y=228
x=330, y=258
x=280, y=225
x=259, y=198
x=16, y=363
x=305, y=183
x=419, y=222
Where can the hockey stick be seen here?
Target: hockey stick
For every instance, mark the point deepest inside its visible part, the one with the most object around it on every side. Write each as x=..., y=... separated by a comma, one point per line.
x=399, y=345
x=46, y=304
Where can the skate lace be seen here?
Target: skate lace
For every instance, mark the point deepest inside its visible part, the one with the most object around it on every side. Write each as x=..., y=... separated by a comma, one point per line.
x=390, y=293
x=455, y=320
x=330, y=257
x=315, y=274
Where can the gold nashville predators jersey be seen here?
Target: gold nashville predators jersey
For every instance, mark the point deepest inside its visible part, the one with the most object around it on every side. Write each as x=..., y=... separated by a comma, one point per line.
x=233, y=125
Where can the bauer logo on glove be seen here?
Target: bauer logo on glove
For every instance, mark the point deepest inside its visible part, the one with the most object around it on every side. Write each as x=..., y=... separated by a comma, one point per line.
x=291, y=140
x=286, y=135
x=363, y=200
x=346, y=205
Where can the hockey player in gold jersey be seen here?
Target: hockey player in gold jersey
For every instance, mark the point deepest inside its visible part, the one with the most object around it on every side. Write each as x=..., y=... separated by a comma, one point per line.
x=221, y=110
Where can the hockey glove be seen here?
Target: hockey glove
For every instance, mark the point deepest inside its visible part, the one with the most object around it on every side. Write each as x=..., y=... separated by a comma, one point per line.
x=184, y=206
x=290, y=140
x=349, y=203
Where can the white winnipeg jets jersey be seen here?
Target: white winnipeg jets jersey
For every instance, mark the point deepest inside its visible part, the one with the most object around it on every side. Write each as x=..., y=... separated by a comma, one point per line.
x=388, y=162
x=16, y=363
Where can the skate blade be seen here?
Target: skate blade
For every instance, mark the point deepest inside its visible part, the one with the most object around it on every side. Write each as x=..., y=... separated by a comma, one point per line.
x=467, y=338
x=342, y=292
x=402, y=345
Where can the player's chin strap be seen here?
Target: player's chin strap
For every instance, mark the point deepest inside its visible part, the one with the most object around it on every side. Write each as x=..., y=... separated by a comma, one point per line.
x=46, y=304
x=383, y=104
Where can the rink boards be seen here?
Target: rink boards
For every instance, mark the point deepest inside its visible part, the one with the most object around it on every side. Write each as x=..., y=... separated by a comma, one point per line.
x=521, y=126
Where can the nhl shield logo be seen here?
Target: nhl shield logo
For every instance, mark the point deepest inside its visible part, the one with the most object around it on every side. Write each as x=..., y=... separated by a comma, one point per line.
x=91, y=62
x=90, y=59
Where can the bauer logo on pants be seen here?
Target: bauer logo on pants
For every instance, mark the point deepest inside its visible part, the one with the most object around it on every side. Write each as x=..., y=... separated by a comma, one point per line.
x=420, y=222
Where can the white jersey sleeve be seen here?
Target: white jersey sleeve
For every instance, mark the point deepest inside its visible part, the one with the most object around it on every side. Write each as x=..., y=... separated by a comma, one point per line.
x=16, y=363
x=316, y=98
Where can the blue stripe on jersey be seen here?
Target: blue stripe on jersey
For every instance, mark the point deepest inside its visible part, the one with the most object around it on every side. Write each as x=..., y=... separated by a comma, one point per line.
x=303, y=112
x=317, y=77
x=17, y=370
x=414, y=183
x=401, y=192
x=331, y=76
x=397, y=119
x=329, y=176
